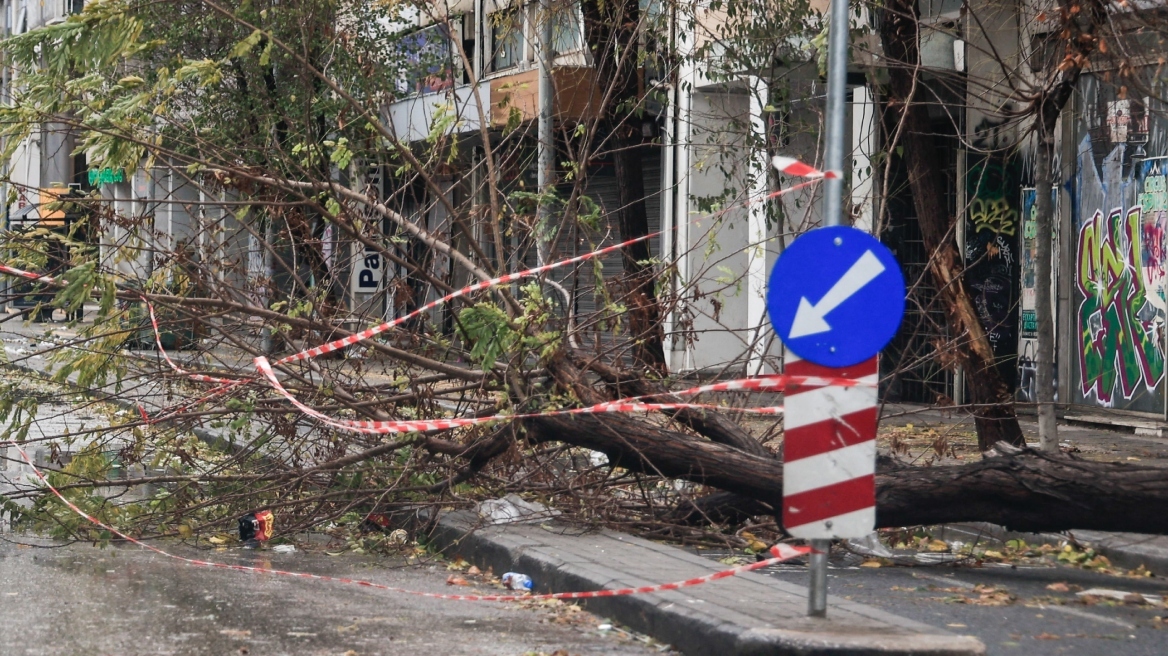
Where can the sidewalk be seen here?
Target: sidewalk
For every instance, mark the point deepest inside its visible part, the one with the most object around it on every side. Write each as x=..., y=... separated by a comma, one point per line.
x=749, y=614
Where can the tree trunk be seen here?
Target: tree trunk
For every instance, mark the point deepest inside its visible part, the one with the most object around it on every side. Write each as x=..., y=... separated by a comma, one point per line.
x=712, y=425
x=1044, y=278
x=1061, y=80
x=993, y=400
x=610, y=31
x=1022, y=489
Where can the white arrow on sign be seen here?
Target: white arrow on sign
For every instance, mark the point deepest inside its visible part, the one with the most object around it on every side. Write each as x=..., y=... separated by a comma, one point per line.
x=809, y=318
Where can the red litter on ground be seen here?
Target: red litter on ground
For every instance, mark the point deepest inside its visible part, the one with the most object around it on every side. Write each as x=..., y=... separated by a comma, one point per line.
x=257, y=526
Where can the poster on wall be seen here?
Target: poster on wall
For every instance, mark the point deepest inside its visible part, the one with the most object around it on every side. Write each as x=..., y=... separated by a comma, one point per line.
x=1027, y=314
x=1121, y=217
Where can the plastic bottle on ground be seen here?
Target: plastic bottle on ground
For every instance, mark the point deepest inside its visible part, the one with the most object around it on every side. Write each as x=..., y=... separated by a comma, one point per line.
x=517, y=581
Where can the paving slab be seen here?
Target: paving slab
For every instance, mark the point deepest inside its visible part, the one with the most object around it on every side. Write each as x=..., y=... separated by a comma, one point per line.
x=750, y=614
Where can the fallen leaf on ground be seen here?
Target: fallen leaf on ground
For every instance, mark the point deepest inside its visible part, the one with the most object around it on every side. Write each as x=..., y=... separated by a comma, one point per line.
x=1062, y=586
x=473, y=571
x=870, y=563
x=456, y=580
x=1047, y=636
x=938, y=546
x=235, y=633
x=987, y=596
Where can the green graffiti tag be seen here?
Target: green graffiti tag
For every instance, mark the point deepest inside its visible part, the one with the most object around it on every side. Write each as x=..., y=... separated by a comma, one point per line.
x=1117, y=333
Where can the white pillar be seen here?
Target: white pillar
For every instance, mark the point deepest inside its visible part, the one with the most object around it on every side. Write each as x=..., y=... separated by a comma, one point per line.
x=863, y=149
x=676, y=242
x=756, y=246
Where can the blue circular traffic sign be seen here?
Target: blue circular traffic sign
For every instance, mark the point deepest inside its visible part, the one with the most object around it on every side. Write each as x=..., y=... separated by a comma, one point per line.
x=836, y=296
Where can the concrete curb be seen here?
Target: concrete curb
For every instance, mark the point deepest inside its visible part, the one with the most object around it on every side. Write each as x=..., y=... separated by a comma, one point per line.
x=1126, y=550
x=749, y=615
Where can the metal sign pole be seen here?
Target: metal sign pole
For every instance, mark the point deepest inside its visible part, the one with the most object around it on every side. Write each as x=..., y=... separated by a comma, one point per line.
x=837, y=74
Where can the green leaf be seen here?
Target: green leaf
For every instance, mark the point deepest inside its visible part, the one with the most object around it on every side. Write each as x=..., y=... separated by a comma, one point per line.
x=245, y=46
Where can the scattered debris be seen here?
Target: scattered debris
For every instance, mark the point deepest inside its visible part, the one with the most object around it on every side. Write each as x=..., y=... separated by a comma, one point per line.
x=284, y=549
x=256, y=526
x=517, y=581
x=869, y=545
x=1121, y=596
x=514, y=509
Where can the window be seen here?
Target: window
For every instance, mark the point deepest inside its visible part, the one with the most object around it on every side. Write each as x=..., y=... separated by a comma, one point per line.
x=566, y=28
x=506, y=39
x=1045, y=49
x=74, y=6
x=429, y=60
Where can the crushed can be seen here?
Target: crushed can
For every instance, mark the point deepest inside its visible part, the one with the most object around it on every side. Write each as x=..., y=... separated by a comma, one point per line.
x=375, y=522
x=257, y=526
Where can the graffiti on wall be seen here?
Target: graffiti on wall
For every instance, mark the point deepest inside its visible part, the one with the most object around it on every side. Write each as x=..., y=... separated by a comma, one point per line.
x=1153, y=203
x=1120, y=327
x=1120, y=217
x=1028, y=314
x=991, y=240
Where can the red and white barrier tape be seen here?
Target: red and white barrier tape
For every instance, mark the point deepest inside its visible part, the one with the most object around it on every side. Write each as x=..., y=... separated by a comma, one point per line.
x=422, y=425
x=203, y=378
x=334, y=345
x=633, y=404
x=780, y=552
x=792, y=166
x=784, y=164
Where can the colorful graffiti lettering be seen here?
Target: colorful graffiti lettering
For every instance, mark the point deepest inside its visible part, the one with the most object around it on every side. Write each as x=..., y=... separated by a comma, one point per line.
x=1117, y=323
x=1154, y=202
x=993, y=214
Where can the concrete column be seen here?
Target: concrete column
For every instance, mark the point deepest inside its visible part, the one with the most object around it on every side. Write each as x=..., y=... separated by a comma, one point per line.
x=863, y=149
x=756, y=267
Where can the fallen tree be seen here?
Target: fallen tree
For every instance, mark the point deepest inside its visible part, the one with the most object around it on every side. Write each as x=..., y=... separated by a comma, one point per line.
x=512, y=348
x=1022, y=489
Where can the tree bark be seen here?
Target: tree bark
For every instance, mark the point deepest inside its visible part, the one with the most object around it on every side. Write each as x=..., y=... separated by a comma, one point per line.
x=712, y=425
x=993, y=400
x=1044, y=278
x=1022, y=489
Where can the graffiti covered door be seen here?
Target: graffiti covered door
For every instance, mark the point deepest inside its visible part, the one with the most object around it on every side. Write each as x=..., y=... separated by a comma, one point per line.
x=993, y=181
x=1121, y=216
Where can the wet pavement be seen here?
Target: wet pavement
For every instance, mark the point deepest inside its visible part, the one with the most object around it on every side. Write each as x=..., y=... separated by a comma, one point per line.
x=77, y=599
x=1010, y=609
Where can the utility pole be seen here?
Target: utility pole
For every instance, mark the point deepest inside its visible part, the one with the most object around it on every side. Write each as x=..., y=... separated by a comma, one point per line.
x=546, y=160
x=833, y=194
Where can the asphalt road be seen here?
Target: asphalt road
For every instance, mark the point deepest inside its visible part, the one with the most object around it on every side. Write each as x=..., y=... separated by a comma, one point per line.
x=1034, y=620
x=79, y=599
